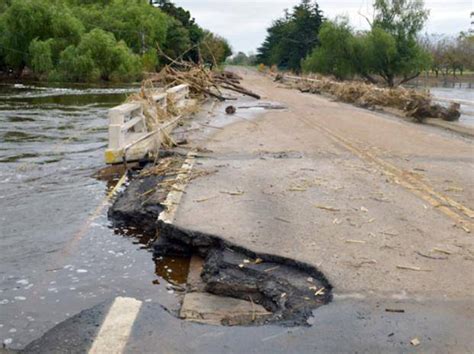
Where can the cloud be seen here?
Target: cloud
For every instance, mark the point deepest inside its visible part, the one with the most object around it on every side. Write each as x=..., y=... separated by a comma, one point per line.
x=244, y=22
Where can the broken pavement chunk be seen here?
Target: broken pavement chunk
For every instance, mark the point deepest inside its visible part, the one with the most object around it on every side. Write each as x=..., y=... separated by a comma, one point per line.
x=217, y=310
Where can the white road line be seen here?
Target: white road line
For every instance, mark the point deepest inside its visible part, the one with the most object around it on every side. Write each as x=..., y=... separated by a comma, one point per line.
x=115, y=330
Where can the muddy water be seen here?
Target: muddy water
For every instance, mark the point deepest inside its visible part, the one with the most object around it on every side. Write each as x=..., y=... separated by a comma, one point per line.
x=58, y=253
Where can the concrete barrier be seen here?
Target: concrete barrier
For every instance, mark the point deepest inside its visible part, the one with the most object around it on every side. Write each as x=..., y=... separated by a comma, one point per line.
x=129, y=137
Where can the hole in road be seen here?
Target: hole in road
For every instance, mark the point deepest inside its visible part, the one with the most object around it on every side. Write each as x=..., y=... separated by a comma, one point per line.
x=223, y=283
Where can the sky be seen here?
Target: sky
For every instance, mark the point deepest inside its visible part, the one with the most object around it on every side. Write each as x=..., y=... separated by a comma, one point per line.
x=244, y=22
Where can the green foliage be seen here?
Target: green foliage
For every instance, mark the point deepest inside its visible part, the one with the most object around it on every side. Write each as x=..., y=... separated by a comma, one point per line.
x=136, y=23
x=150, y=60
x=75, y=66
x=99, y=56
x=389, y=50
x=177, y=39
x=194, y=32
x=395, y=29
x=87, y=40
x=334, y=56
x=26, y=20
x=401, y=18
x=40, y=55
x=291, y=38
x=214, y=49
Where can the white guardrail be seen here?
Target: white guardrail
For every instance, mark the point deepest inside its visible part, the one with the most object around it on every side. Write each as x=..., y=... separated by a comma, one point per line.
x=129, y=137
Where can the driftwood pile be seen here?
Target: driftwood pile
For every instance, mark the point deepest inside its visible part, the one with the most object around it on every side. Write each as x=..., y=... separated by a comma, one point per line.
x=201, y=80
x=415, y=104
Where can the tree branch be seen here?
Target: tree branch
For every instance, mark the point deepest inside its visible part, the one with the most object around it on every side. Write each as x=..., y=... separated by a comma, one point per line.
x=406, y=79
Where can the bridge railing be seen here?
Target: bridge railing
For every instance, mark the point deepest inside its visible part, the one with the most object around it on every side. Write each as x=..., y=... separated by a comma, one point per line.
x=129, y=137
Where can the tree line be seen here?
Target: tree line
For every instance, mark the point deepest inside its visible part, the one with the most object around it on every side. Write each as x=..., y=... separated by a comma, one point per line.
x=390, y=52
x=91, y=40
x=451, y=55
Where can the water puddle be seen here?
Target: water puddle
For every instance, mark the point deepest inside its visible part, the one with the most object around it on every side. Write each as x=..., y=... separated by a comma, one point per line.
x=264, y=106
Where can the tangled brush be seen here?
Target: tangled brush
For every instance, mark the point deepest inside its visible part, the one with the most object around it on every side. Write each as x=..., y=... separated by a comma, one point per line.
x=413, y=103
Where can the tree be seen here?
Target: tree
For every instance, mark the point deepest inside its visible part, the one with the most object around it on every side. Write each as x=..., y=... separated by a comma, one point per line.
x=27, y=20
x=177, y=39
x=291, y=38
x=195, y=34
x=85, y=40
x=335, y=54
x=390, y=50
x=214, y=49
x=134, y=22
x=99, y=56
x=395, y=27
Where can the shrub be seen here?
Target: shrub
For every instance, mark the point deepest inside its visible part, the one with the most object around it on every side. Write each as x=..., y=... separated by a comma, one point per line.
x=100, y=56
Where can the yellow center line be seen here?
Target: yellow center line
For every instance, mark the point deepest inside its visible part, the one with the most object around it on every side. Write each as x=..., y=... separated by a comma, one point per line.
x=423, y=190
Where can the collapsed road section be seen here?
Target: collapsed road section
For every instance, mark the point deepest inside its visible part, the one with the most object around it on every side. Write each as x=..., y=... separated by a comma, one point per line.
x=271, y=289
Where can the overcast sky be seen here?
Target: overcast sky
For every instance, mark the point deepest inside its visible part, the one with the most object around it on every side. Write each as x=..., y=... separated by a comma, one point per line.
x=244, y=22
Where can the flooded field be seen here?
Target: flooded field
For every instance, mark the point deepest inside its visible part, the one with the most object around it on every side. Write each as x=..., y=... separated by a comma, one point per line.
x=58, y=253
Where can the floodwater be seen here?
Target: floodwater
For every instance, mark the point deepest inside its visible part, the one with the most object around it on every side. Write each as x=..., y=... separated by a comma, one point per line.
x=58, y=253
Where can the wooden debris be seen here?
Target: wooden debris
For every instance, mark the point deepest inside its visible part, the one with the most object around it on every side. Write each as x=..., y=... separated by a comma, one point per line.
x=236, y=193
x=430, y=257
x=355, y=241
x=319, y=292
x=202, y=81
x=360, y=264
x=442, y=251
x=283, y=220
x=272, y=268
x=415, y=104
x=415, y=342
x=328, y=208
x=395, y=310
x=298, y=189
x=454, y=189
x=416, y=269
x=204, y=199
